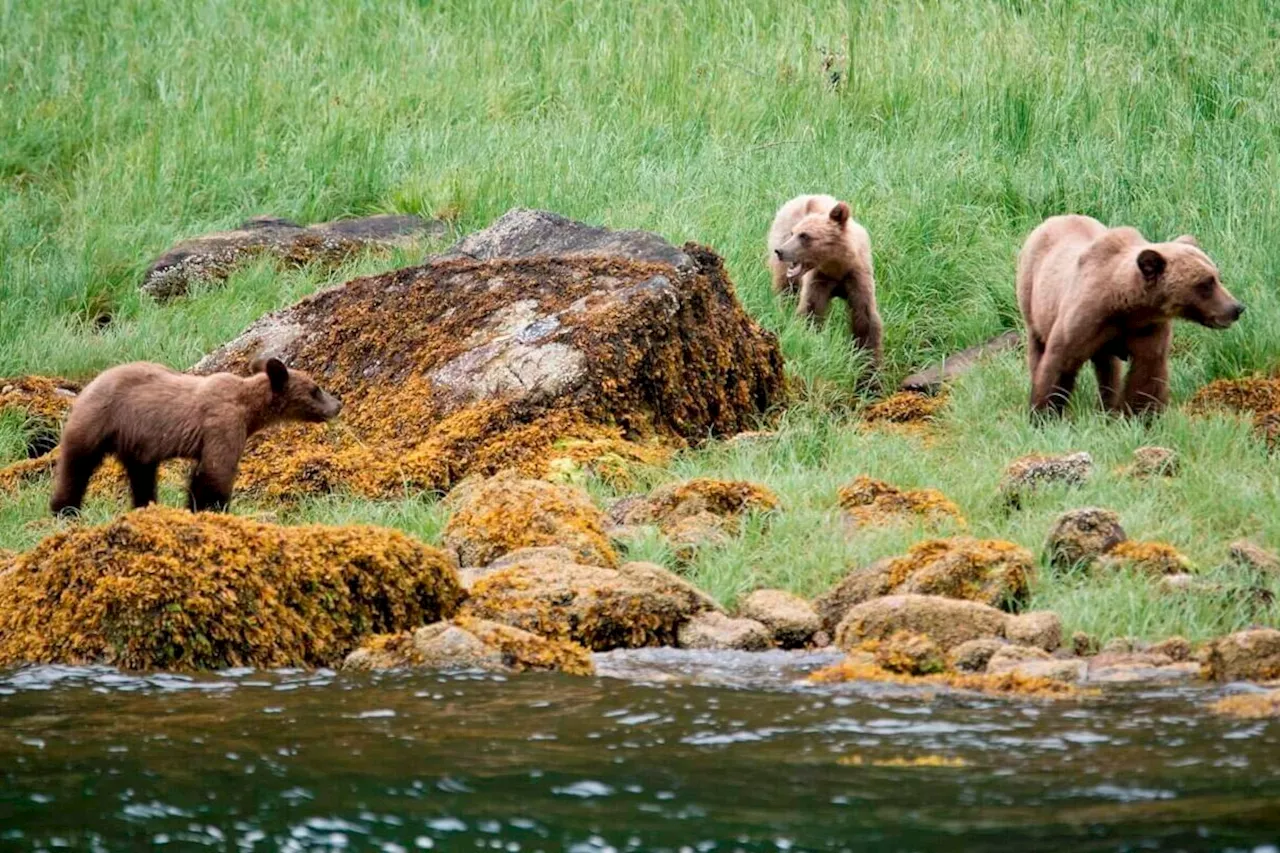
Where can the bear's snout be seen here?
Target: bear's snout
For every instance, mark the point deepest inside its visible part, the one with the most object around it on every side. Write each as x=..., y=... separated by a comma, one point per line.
x=1237, y=312
x=778, y=252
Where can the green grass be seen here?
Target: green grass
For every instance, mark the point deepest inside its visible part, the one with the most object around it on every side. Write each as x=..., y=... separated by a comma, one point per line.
x=953, y=128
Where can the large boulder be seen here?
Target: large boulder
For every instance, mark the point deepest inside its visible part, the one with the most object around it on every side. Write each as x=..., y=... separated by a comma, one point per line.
x=212, y=257
x=161, y=588
x=533, y=333
x=470, y=644
x=506, y=513
x=634, y=605
x=1252, y=655
x=990, y=571
x=947, y=621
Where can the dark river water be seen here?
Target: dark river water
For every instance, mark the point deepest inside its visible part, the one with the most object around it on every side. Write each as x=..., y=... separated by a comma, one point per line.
x=666, y=751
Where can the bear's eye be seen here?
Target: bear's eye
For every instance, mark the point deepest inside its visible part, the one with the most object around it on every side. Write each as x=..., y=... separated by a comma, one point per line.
x=1205, y=288
x=315, y=393
x=804, y=237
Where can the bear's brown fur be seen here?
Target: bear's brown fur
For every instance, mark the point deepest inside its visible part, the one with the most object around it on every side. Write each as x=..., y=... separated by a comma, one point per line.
x=1088, y=292
x=817, y=247
x=146, y=413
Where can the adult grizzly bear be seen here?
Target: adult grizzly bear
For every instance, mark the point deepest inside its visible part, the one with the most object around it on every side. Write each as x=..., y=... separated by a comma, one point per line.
x=146, y=413
x=816, y=246
x=1106, y=295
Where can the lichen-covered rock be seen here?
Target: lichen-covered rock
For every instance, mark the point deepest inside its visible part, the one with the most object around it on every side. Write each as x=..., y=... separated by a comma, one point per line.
x=1152, y=461
x=212, y=257
x=637, y=604
x=1040, y=628
x=465, y=643
x=1249, y=706
x=1009, y=657
x=714, y=630
x=948, y=621
x=973, y=656
x=1080, y=536
x=161, y=588
x=1252, y=556
x=1025, y=475
x=791, y=620
x=989, y=571
x=476, y=361
x=1252, y=655
x=875, y=503
x=507, y=512
x=1151, y=558
x=912, y=654
x=857, y=667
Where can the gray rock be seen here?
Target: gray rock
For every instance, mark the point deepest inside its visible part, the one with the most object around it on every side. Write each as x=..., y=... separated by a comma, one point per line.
x=930, y=381
x=714, y=630
x=791, y=620
x=1041, y=628
x=525, y=233
x=947, y=621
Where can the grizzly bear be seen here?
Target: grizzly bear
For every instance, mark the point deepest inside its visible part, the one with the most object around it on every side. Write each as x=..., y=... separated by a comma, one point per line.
x=815, y=246
x=1106, y=295
x=146, y=413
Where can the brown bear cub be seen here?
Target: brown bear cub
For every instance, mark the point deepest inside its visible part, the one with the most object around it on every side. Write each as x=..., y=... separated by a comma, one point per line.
x=815, y=246
x=1106, y=295
x=146, y=413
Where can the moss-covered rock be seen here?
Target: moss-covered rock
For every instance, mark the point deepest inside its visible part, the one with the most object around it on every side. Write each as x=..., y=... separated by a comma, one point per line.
x=465, y=643
x=162, y=588
x=1255, y=396
x=1010, y=657
x=790, y=619
x=1252, y=655
x=875, y=503
x=910, y=653
x=948, y=621
x=905, y=407
x=637, y=604
x=1014, y=684
x=1152, y=558
x=1080, y=536
x=506, y=512
x=533, y=334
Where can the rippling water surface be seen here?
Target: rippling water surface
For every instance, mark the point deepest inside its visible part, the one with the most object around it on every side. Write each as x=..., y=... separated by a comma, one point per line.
x=668, y=751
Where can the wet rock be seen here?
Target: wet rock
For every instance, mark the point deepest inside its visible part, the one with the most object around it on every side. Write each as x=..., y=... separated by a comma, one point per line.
x=974, y=655
x=161, y=588
x=1067, y=671
x=1151, y=558
x=470, y=644
x=637, y=604
x=1177, y=649
x=714, y=630
x=1080, y=536
x=930, y=381
x=875, y=503
x=1083, y=645
x=1138, y=668
x=1040, y=628
x=1154, y=461
x=508, y=512
x=1249, y=706
x=1252, y=655
x=468, y=366
x=1027, y=474
x=212, y=257
x=1008, y=657
x=948, y=621
x=990, y=571
x=912, y=654
x=1252, y=556
x=792, y=621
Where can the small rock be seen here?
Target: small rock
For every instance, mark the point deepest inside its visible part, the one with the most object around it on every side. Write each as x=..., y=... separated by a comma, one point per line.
x=726, y=500
x=692, y=534
x=1253, y=556
x=1029, y=473
x=1176, y=648
x=1122, y=645
x=948, y=621
x=1070, y=671
x=1138, y=667
x=1009, y=657
x=1041, y=628
x=854, y=588
x=821, y=640
x=1154, y=461
x=875, y=503
x=1080, y=536
x=911, y=654
x=1187, y=584
x=974, y=655
x=1152, y=558
x=1083, y=644
x=791, y=620
x=1252, y=655
x=714, y=630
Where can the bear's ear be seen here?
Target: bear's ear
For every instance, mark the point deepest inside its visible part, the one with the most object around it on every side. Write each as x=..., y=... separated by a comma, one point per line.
x=1151, y=263
x=277, y=373
x=840, y=213
x=1188, y=240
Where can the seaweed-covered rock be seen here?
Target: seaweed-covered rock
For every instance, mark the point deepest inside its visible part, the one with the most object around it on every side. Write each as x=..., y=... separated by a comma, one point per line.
x=973, y=656
x=790, y=619
x=1027, y=474
x=1252, y=655
x=1152, y=558
x=875, y=503
x=668, y=505
x=948, y=621
x=1040, y=628
x=1252, y=556
x=534, y=333
x=637, y=604
x=712, y=629
x=1083, y=644
x=212, y=257
x=910, y=653
x=1080, y=536
x=43, y=402
x=506, y=512
x=161, y=588
x=905, y=407
x=470, y=644
x=1249, y=706
x=1139, y=668
x=989, y=571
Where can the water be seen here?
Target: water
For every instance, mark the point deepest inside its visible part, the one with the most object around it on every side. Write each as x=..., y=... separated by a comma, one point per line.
x=673, y=752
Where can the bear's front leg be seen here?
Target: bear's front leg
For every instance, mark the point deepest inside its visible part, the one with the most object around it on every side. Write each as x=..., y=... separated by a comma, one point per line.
x=214, y=474
x=1146, y=387
x=815, y=298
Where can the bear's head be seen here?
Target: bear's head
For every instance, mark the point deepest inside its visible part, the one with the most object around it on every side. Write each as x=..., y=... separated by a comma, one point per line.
x=295, y=396
x=1187, y=283
x=816, y=240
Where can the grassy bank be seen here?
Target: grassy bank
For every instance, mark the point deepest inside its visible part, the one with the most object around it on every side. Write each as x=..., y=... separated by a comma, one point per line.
x=952, y=127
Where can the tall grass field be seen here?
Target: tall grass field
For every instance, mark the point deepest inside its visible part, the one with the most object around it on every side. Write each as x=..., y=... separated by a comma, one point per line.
x=952, y=127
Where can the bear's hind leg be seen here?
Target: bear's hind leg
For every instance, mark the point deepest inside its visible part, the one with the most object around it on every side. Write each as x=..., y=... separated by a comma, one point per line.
x=142, y=481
